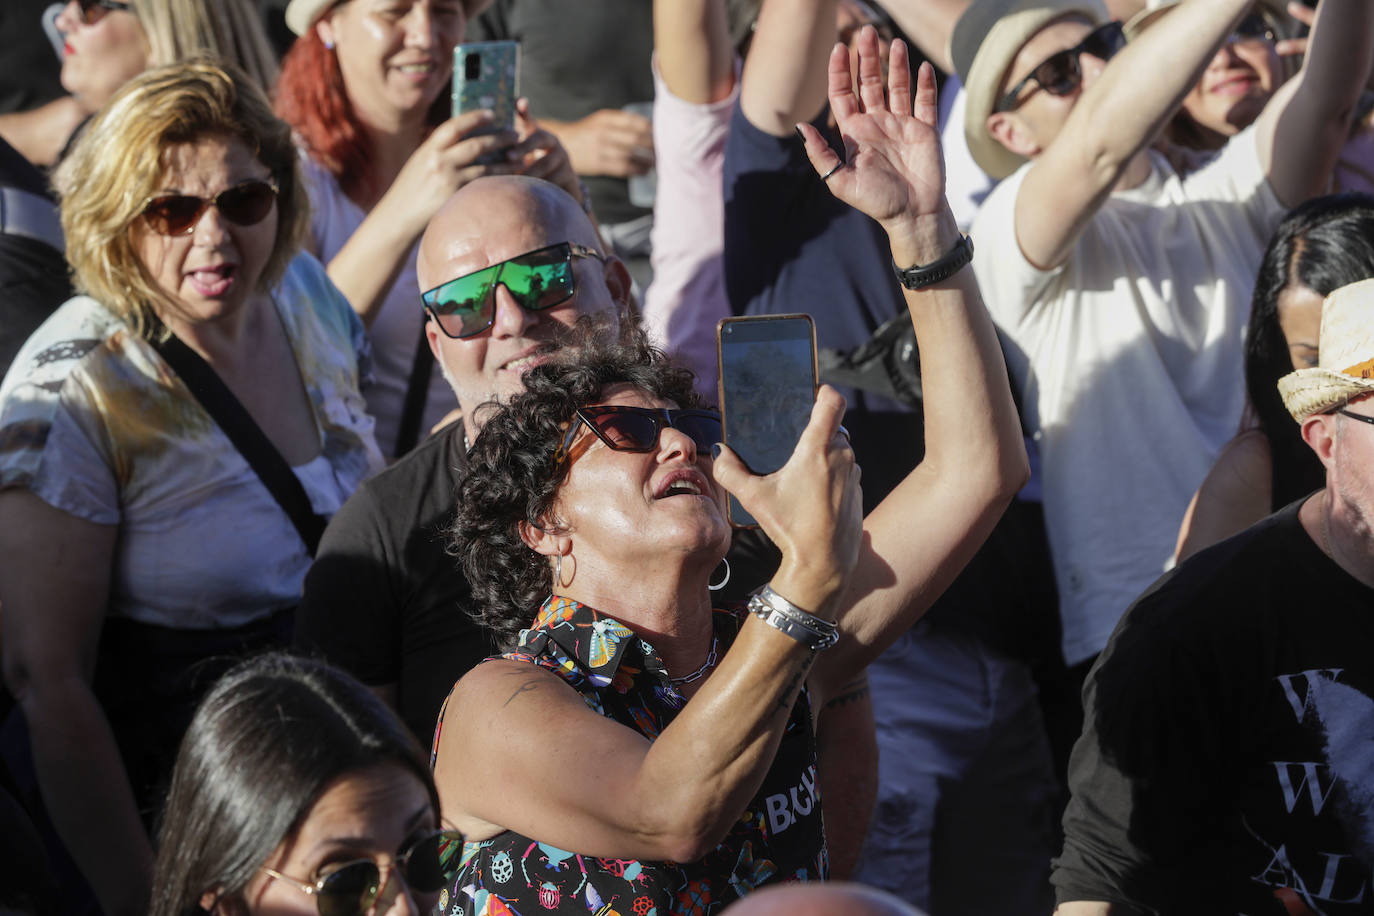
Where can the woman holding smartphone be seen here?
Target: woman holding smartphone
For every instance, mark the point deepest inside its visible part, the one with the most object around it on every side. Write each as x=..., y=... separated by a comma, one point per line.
x=366, y=89
x=636, y=748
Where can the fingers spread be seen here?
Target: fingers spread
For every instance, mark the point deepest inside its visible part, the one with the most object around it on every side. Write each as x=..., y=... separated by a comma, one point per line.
x=899, y=79
x=840, y=85
x=927, y=107
x=870, y=71
x=823, y=158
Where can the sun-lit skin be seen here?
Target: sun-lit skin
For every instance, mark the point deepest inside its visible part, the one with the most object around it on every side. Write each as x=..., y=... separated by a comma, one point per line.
x=1300, y=318
x=396, y=56
x=1040, y=116
x=214, y=270
x=1234, y=88
x=612, y=500
x=489, y=221
x=374, y=814
x=1349, y=485
x=99, y=58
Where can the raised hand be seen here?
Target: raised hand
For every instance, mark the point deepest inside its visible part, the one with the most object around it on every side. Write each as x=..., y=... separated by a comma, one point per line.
x=539, y=154
x=894, y=170
x=811, y=507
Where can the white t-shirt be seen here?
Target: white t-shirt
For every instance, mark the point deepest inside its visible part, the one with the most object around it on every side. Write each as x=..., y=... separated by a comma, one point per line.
x=395, y=333
x=687, y=295
x=1129, y=362
x=95, y=423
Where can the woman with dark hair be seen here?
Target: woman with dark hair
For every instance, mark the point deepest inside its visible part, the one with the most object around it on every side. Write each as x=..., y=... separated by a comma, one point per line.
x=636, y=749
x=1319, y=247
x=141, y=537
x=296, y=790
x=366, y=89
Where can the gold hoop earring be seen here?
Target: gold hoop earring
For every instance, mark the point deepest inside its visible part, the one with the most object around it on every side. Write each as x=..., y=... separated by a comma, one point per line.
x=558, y=570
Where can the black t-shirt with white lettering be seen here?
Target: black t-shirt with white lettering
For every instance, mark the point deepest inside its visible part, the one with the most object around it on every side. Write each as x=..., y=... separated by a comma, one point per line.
x=1227, y=760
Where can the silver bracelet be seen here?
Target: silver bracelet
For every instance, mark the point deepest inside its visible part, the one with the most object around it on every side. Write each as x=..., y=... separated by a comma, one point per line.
x=811, y=631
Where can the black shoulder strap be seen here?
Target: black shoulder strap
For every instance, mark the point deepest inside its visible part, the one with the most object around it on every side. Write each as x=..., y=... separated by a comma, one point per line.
x=252, y=443
x=417, y=393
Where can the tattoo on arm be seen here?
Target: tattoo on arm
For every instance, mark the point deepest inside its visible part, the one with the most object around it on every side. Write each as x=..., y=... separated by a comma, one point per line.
x=794, y=683
x=856, y=691
x=526, y=687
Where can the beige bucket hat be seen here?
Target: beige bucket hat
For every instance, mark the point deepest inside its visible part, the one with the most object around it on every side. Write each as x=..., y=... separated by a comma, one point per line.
x=301, y=14
x=1345, y=368
x=986, y=40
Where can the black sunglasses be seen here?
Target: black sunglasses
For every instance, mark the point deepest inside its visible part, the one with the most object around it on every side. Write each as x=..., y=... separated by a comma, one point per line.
x=93, y=10
x=351, y=889
x=466, y=306
x=636, y=429
x=1355, y=416
x=246, y=204
x=1253, y=29
x=1061, y=72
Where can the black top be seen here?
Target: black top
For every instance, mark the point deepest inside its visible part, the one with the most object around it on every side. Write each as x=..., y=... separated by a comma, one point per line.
x=1227, y=760
x=577, y=58
x=384, y=600
x=33, y=275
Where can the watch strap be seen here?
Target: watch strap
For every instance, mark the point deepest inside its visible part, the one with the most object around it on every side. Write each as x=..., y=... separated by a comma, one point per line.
x=950, y=263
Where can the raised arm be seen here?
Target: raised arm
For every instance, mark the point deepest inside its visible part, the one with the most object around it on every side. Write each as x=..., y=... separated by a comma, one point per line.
x=1301, y=131
x=692, y=41
x=54, y=585
x=1118, y=114
x=784, y=76
x=932, y=523
x=618, y=794
x=929, y=24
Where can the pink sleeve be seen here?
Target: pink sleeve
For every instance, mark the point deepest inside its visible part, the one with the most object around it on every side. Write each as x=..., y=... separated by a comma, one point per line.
x=687, y=295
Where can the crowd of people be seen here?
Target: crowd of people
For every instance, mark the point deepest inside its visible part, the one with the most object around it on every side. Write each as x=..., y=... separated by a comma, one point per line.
x=337, y=426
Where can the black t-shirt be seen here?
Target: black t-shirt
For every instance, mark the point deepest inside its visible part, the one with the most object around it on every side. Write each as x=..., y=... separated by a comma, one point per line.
x=384, y=600
x=1227, y=758
x=33, y=274
x=577, y=58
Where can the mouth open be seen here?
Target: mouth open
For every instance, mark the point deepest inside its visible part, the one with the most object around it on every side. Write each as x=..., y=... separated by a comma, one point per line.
x=685, y=482
x=213, y=282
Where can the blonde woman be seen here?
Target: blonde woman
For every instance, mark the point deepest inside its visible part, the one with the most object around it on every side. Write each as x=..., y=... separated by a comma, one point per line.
x=138, y=540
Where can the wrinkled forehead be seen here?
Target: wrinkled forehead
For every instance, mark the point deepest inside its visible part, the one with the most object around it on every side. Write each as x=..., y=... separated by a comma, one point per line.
x=1059, y=35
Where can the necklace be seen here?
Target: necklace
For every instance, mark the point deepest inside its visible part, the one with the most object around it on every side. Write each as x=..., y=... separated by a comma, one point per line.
x=700, y=672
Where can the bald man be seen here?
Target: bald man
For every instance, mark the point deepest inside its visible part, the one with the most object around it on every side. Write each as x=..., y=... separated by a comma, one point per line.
x=814, y=899
x=383, y=599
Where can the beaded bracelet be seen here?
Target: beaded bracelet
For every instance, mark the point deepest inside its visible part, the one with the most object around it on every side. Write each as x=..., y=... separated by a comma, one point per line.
x=811, y=631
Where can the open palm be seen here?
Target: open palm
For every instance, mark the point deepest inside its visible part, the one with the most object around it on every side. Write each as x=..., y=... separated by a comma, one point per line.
x=894, y=169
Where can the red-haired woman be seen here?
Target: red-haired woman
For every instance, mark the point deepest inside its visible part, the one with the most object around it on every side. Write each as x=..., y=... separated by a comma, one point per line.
x=366, y=89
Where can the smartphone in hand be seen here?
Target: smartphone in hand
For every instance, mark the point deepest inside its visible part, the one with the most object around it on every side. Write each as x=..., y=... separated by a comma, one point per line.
x=486, y=74
x=767, y=384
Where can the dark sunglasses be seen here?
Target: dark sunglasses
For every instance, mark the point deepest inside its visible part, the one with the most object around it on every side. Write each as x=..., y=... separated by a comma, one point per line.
x=1062, y=73
x=92, y=11
x=466, y=306
x=246, y=204
x=1253, y=29
x=636, y=429
x=351, y=889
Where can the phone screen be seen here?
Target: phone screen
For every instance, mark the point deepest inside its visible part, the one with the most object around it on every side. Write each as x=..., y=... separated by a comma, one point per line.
x=486, y=75
x=767, y=385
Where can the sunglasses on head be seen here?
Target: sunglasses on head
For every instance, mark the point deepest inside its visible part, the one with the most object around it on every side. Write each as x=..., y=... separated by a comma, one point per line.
x=1061, y=73
x=351, y=889
x=466, y=306
x=93, y=10
x=636, y=429
x=245, y=204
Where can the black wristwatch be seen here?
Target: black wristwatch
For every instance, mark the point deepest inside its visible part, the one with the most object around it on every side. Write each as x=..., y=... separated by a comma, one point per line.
x=947, y=266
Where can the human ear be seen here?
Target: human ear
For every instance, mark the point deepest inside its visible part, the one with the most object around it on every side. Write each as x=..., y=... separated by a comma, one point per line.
x=549, y=541
x=325, y=29
x=1008, y=129
x=1318, y=431
x=620, y=286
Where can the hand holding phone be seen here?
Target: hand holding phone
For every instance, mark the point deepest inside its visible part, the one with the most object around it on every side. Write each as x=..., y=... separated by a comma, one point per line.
x=486, y=76
x=767, y=383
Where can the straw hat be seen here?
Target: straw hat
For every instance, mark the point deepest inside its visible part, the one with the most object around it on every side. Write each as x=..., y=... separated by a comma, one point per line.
x=986, y=40
x=301, y=14
x=1274, y=12
x=1345, y=368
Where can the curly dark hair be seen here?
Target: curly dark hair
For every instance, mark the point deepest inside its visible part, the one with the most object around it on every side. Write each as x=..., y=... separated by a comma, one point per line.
x=513, y=475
